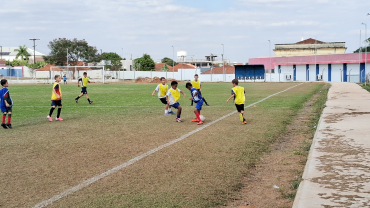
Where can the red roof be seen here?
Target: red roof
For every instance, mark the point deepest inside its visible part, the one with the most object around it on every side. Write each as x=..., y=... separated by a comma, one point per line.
x=159, y=66
x=219, y=70
x=47, y=68
x=184, y=66
x=309, y=41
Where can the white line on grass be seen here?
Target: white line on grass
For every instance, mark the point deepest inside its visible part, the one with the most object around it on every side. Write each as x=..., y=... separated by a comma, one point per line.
x=132, y=161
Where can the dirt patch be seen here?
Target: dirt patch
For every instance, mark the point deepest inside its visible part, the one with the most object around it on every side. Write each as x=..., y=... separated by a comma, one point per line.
x=152, y=80
x=274, y=181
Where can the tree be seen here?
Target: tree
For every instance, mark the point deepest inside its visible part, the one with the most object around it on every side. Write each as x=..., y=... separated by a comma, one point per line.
x=168, y=61
x=364, y=49
x=22, y=52
x=144, y=63
x=78, y=50
x=112, y=61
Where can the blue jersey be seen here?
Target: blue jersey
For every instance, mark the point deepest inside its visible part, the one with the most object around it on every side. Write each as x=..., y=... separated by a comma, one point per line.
x=198, y=97
x=5, y=95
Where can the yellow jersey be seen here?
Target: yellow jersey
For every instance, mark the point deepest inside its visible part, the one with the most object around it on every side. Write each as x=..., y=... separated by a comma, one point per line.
x=162, y=90
x=84, y=81
x=239, y=95
x=58, y=91
x=196, y=85
x=173, y=95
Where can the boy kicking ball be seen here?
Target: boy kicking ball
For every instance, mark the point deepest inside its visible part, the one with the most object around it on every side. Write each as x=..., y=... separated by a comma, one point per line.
x=84, y=80
x=162, y=91
x=173, y=96
x=197, y=98
x=238, y=93
x=56, y=99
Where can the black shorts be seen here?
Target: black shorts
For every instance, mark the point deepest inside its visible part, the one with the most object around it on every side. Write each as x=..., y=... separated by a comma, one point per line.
x=240, y=107
x=56, y=103
x=83, y=90
x=163, y=100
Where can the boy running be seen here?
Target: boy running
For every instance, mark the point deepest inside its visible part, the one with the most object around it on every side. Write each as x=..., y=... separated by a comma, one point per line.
x=6, y=104
x=173, y=96
x=56, y=99
x=162, y=91
x=84, y=80
x=196, y=84
x=238, y=93
x=197, y=98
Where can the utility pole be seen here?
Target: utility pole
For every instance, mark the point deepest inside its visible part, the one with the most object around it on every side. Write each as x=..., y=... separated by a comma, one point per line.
x=223, y=63
x=34, y=48
x=365, y=45
x=270, y=59
x=1, y=53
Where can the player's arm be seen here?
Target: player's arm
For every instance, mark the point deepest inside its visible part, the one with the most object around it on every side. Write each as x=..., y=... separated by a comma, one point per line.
x=78, y=82
x=154, y=93
x=6, y=103
x=200, y=86
x=195, y=94
x=182, y=93
x=156, y=90
x=233, y=95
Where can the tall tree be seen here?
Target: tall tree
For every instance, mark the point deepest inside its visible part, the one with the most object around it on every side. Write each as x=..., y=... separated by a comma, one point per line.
x=144, y=63
x=22, y=52
x=168, y=61
x=364, y=49
x=78, y=50
x=112, y=61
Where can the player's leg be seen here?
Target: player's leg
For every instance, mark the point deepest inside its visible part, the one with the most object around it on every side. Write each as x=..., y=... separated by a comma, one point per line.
x=51, y=111
x=191, y=103
x=78, y=97
x=242, y=115
x=88, y=99
x=200, y=93
x=179, y=109
x=58, y=118
x=9, y=125
x=3, y=121
x=196, y=119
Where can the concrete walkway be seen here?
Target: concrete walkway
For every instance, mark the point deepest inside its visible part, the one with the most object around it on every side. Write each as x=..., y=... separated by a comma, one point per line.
x=337, y=173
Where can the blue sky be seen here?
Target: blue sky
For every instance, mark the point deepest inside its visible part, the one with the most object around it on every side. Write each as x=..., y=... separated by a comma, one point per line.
x=198, y=27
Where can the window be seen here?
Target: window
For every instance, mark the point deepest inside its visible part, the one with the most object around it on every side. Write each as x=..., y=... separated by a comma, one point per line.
x=273, y=71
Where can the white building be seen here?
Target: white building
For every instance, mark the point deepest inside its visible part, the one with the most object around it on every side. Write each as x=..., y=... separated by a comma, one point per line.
x=9, y=54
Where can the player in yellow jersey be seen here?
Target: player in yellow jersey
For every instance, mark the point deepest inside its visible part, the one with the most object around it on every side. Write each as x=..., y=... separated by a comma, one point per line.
x=173, y=96
x=56, y=99
x=238, y=93
x=84, y=80
x=162, y=91
x=197, y=85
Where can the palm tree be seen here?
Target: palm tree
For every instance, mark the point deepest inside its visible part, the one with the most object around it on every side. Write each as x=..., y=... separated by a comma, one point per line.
x=22, y=52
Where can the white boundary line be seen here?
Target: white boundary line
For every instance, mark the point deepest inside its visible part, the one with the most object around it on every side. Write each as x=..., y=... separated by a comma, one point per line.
x=132, y=161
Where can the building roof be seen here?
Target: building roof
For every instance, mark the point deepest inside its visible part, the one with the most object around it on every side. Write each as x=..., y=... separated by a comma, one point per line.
x=7, y=50
x=159, y=66
x=309, y=41
x=47, y=68
x=184, y=66
x=219, y=70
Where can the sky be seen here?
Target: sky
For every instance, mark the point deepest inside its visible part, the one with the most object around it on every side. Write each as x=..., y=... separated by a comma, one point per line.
x=239, y=29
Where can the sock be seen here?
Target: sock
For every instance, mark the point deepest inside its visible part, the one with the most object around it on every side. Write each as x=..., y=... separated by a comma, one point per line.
x=205, y=101
x=178, y=116
x=197, y=115
x=77, y=98
x=51, y=111
x=4, y=116
x=165, y=111
x=88, y=100
x=192, y=102
x=9, y=118
x=58, y=114
x=169, y=110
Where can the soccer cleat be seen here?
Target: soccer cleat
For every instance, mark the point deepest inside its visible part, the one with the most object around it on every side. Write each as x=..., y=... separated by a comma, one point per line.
x=58, y=119
x=178, y=120
x=241, y=117
x=207, y=104
x=50, y=119
x=167, y=114
x=195, y=120
x=4, y=126
x=76, y=100
x=91, y=102
x=9, y=126
x=200, y=123
x=172, y=113
x=244, y=122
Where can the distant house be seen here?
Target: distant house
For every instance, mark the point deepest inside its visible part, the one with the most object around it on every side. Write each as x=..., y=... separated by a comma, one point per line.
x=9, y=54
x=162, y=66
x=184, y=66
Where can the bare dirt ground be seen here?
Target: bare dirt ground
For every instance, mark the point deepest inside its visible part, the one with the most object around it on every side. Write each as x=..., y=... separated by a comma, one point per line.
x=273, y=182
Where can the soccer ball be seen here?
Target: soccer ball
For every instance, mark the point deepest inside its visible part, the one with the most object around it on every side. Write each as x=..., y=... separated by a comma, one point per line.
x=202, y=118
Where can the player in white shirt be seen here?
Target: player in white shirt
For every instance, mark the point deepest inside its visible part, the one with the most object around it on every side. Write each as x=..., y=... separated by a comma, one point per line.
x=162, y=91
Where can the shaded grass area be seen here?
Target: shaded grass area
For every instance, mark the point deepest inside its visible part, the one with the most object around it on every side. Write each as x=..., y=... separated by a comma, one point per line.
x=366, y=87
x=41, y=159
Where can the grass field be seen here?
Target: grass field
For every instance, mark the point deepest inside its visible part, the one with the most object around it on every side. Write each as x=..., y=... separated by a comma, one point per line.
x=40, y=159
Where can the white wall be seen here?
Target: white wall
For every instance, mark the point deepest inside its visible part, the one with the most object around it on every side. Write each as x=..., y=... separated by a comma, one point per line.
x=336, y=73
x=301, y=72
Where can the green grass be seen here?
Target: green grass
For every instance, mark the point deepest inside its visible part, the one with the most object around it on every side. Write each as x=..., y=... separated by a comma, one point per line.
x=204, y=170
